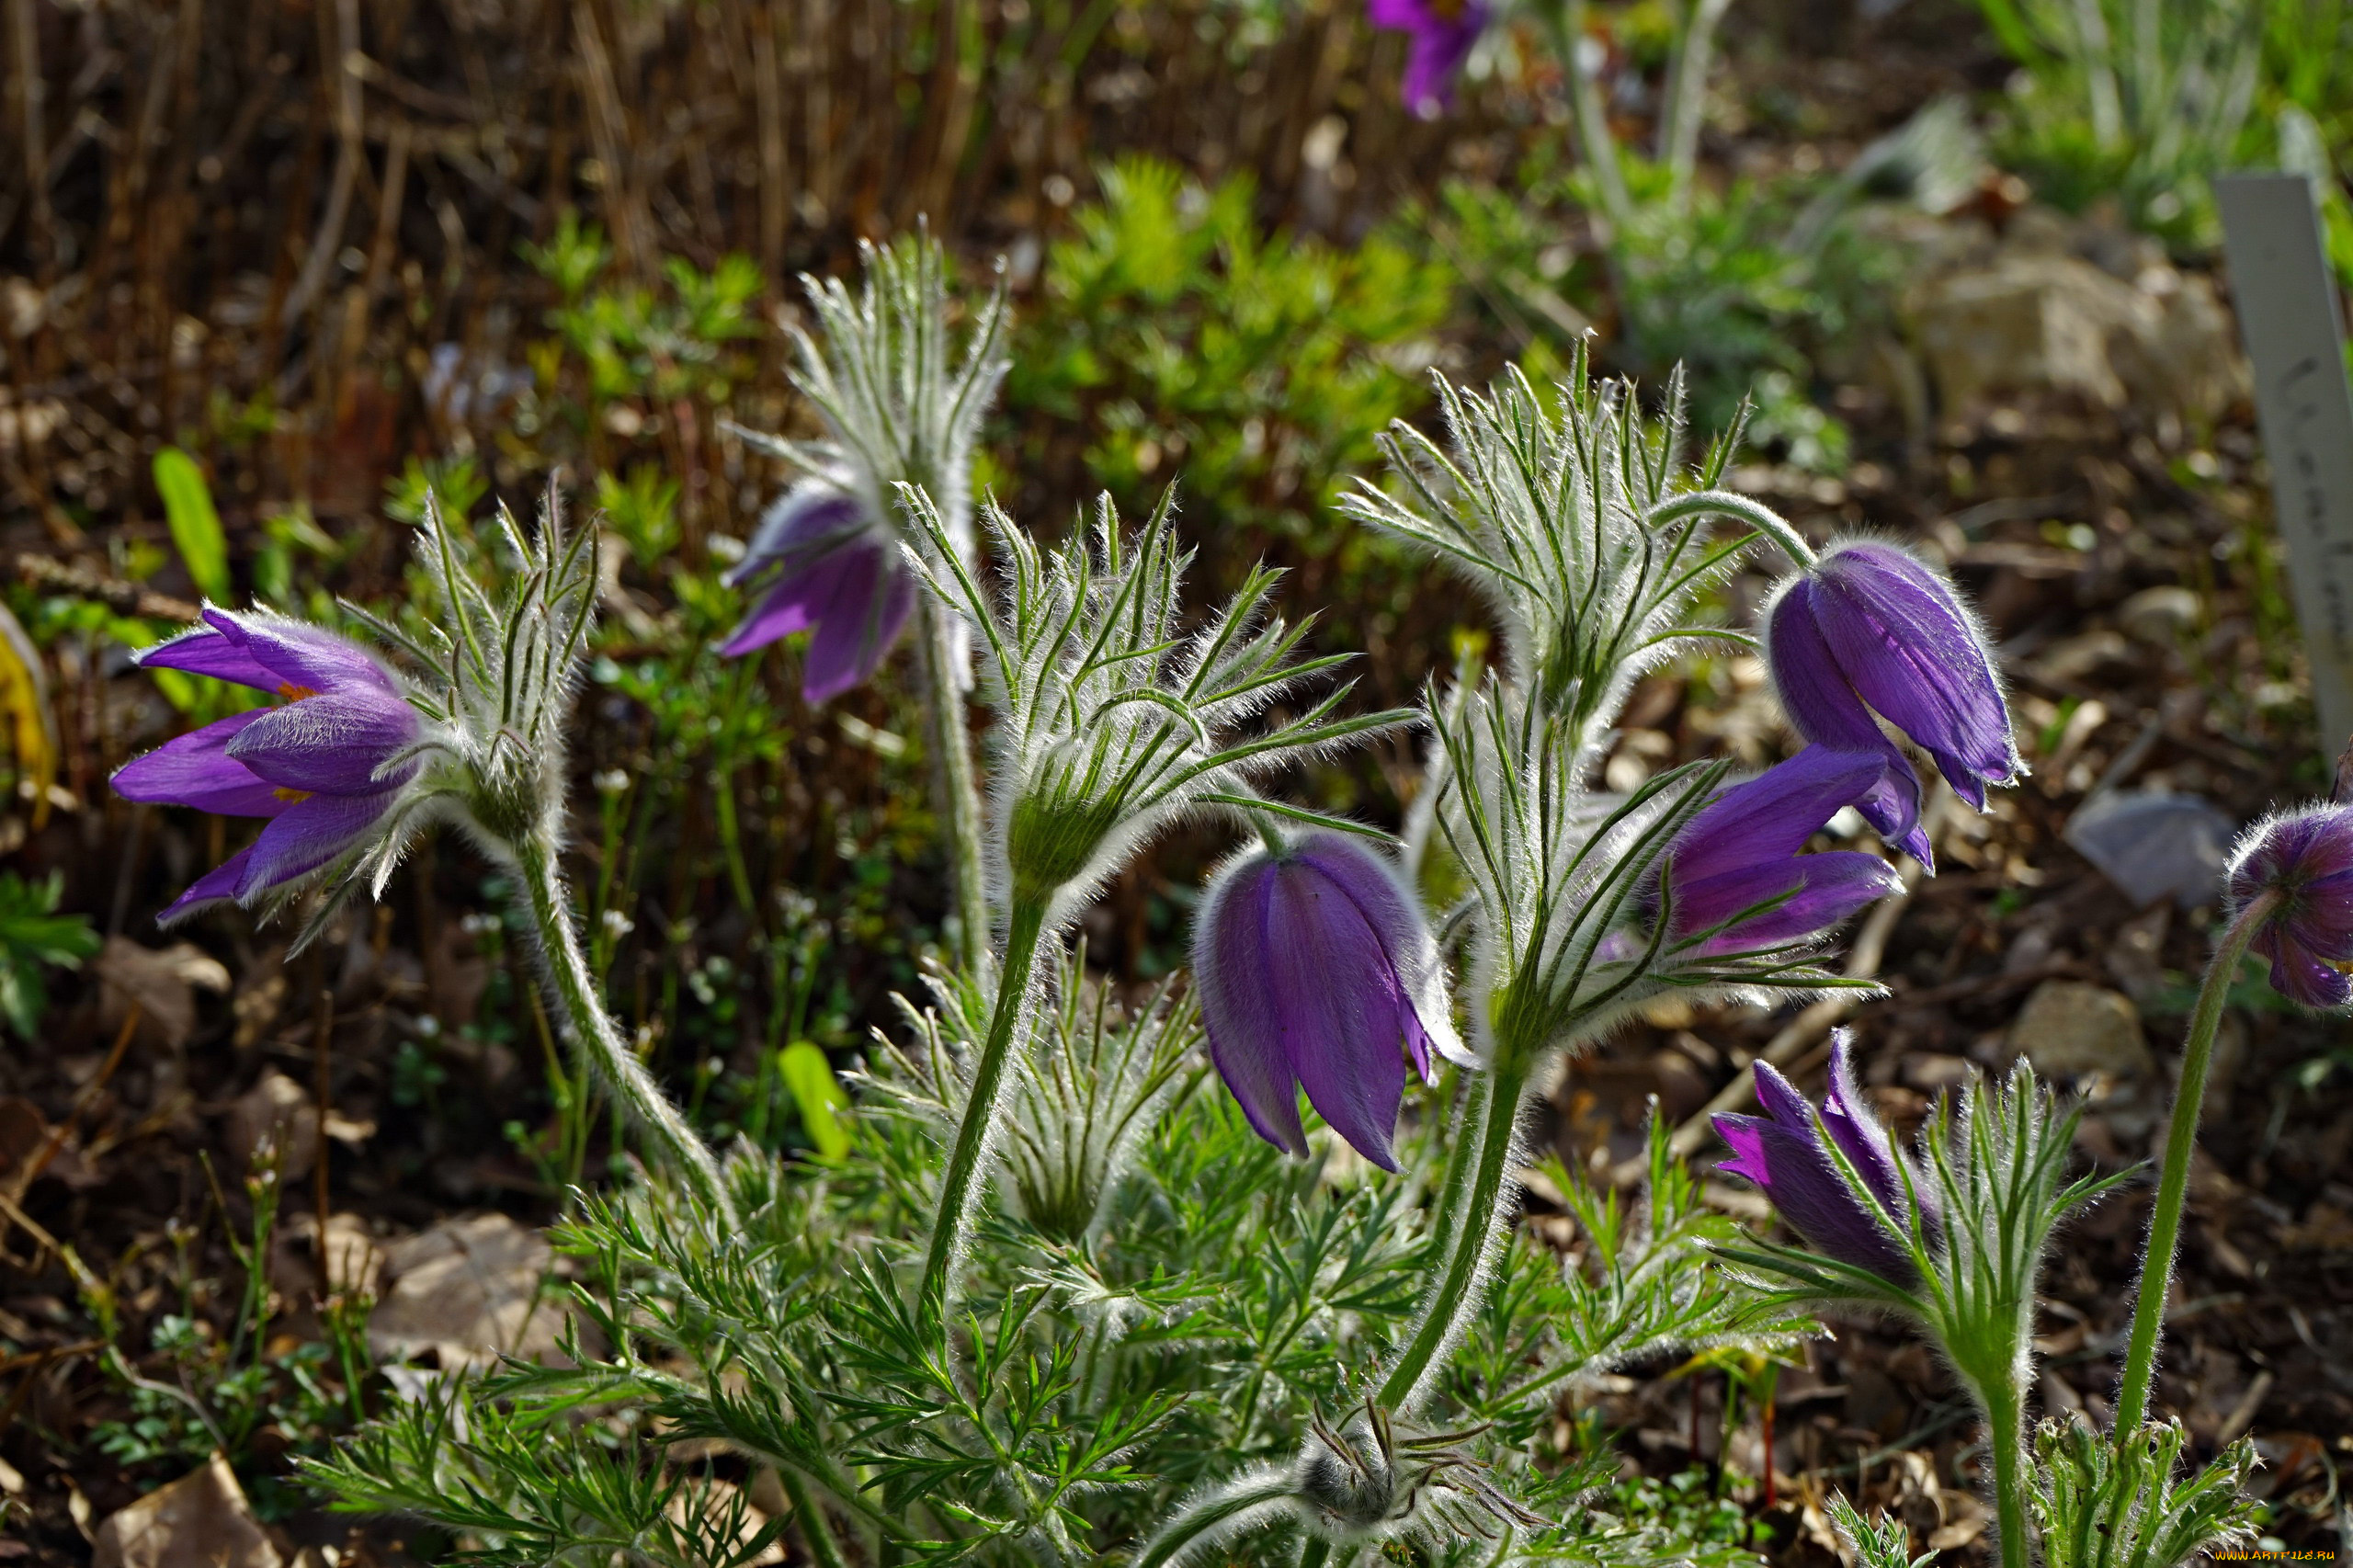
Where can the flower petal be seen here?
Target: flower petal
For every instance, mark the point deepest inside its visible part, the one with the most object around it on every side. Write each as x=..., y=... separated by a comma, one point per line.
x=1856, y=1131
x=1772, y=815
x=302, y=658
x=865, y=608
x=216, y=886
x=1911, y=651
x=330, y=745
x=306, y=835
x=208, y=649
x=1342, y=1013
x=1442, y=38
x=779, y=614
x=810, y=520
x=1373, y=883
x=195, y=769
x=2300, y=977
x=1230, y=975
x=1744, y=1136
x=1805, y=1185
x=1824, y=889
x=1824, y=707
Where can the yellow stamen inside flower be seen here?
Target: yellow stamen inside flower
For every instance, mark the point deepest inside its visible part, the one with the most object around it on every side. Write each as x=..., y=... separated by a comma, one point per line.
x=293, y=797
x=292, y=693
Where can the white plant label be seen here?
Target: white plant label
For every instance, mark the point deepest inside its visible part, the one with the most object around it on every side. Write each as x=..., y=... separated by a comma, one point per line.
x=2288, y=313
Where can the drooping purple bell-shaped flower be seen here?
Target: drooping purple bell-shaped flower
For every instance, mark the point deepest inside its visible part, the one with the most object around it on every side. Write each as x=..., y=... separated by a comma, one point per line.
x=316, y=767
x=829, y=569
x=2306, y=859
x=1868, y=627
x=1785, y=1154
x=1314, y=968
x=1741, y=850
x=1442, y=33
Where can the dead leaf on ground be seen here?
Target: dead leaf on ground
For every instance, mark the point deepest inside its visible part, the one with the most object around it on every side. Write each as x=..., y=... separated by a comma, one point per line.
x=163, y=982
x=1967, y=1522
x=276, y=1112
x=465, y=1290
x=354, y=1258
x=198, y=1521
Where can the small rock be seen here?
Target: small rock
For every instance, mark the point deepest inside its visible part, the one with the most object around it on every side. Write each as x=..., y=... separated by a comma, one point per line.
x=2163, y=615
x=1932, y=1071
x=2069, y=1029
x=198, y=1521
x=2031, y=324
x=2153, y=844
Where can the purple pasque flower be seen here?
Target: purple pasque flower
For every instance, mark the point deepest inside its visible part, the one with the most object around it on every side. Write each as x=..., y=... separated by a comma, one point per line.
x=1741, y=850
x=2305, y=860
x=315, y=766
x=1443, y=32
x=1314, y=968
x=831, y=570
x=1786, y=1152
x=1870, y=627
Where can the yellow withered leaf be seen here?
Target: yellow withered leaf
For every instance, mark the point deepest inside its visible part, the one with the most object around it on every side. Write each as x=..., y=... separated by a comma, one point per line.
x=23, y=693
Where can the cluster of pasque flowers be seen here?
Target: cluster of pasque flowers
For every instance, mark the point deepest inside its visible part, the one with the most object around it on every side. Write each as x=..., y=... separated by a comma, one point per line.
x=1315, y=967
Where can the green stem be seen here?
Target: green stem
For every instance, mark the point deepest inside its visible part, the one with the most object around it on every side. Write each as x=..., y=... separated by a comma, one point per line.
x=815, y=1528
x=1471, y=1210
x=957, y=780
x=1756, y=514
x=592, y=1030
x=1222, y=1508
x=2005, y=1415
x=1565, y=20
x=960, y=1188
x=2173, y=1185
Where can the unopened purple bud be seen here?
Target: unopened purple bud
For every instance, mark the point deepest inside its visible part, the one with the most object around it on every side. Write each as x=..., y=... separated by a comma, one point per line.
x=1442, y=34
x=2305, y=860
x=829, y=569
x=1870, y=627
x=1316, y=968
x=1741, y=850
x=1785, y=1153
x=316, y=767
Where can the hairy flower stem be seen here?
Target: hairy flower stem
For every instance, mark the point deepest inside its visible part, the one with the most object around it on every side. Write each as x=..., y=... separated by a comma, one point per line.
x=2005, y=1419
x=957, y=780
x=962, y=1187
x=2173, y=1184
x=1227, y=1505
x=1756, y=514
x=815, y=1528
x=592, y=1031
x=1471, y=1210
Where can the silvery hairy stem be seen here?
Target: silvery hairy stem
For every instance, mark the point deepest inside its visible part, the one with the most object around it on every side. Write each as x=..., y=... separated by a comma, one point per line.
x=2005, y=1429
x=1473, y=1214
x=1235, y=1506
x=962, y=1186
x=2173, y=1184
x=946, y=674
x=547, y=903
